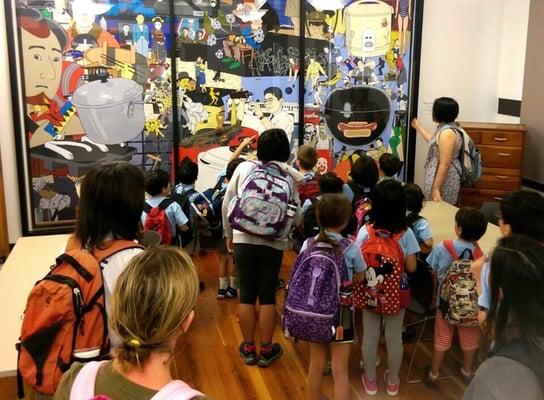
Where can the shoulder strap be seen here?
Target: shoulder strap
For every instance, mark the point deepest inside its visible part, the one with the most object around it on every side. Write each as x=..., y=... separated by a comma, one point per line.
x=147, y=207
x=83, y=385
x=176, y=390
x=478, y=253
x=412, y=218
x=114, y=247
x=448, y=244
x=163, y=205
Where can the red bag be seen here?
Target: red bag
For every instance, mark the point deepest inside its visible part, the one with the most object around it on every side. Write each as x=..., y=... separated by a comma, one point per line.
x=157, y=220
x=65, y=314
x=309, y=189
x=380, y=291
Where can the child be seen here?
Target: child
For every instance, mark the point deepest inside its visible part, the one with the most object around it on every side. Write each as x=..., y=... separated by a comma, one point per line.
x=306, y=161
x=333, y=214
x=390, y=166
x=258, y=259
x=226, y=288
x=187, y=175
x=157, y=186
x=110, y=207
x=389, y=216
x=152, y=306
x=329, y=182
x=470, y=226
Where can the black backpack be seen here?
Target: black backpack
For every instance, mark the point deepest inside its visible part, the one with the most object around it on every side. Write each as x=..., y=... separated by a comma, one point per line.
x=310, y=227
x=421, y=280
x=184, y=238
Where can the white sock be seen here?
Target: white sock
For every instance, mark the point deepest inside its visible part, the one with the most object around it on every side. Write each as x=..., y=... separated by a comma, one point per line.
x=233, y=282
x=223, y=283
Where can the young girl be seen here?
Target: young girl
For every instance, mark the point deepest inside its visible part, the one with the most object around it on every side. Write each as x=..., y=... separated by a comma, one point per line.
x=110, y=206
x=333, y=213
x=258, y=259
x=152, y=306
x=388, y=214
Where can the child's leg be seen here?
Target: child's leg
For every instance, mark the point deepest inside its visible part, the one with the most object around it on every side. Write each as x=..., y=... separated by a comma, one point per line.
x=393, y=339
x=469, y=340
x=371, y=336
x=233, y=276
x=318, y=355
x=340, y=360
x=443, y=335
x=468, y=360
x=223, y=263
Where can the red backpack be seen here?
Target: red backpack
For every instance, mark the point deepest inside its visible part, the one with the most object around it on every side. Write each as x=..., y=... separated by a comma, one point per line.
x=380, y=291
x=309, y=189
x=65, y=317
x=157, y=220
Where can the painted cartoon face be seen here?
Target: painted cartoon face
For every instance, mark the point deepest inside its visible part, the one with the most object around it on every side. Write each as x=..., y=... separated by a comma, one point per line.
x=315, y=29
x=140, y=19
x=369, y=40
x=82, y=14
x=126, y=29
x=158, y=25
x=271, y=103
x=322, y=165
x=357, y=116
x=42, y=58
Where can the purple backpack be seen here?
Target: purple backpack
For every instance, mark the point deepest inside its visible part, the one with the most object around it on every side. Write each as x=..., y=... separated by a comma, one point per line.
x=312, y=301
x=263, y=207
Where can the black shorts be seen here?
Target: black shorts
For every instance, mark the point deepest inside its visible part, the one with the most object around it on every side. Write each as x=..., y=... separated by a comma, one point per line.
x=258, y=270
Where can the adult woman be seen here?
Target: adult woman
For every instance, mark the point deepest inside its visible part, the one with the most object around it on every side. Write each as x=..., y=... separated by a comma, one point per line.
x=258, y=260
x=153, y=305
x=442, y=168
x=515, y=324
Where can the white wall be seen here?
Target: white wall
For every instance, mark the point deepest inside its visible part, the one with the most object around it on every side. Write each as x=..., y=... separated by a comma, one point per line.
x=473, y=51
x=7, y=140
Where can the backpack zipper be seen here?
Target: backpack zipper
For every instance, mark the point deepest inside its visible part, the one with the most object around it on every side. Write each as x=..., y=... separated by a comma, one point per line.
x=77, y=296
x=309, y=314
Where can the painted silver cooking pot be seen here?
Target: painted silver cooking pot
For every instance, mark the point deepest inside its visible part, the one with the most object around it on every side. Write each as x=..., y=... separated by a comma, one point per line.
x=111, y=110
x=358, y=115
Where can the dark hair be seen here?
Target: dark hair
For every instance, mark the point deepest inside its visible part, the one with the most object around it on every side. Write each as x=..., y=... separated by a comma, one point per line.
x=364, y=172
x=390, y=164
x=389, y=206
x=156, y=181
x=50, y=187
x=231, y=167
x=445, y=110
x=332, y=211
x=111, y=203
x=472, y=223
x=187, y=172
x=274, y=91
x=32, y=21
x=414, y=197
x=307, y=156
x=329, y=182
x=524, y=212
x=273, y=145
x=517, y=269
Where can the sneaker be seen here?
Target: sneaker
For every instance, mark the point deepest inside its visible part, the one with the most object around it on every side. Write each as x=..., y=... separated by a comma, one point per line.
x=280, y=284
x=371, y=388
x=221, y=293
x=269, y=353
x=248, y=352
x=466, y=378
x=428, y=379
x=390, y=388
x=231, y=293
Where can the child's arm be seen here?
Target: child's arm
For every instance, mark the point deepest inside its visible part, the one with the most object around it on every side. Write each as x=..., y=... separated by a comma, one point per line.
x=246, y=142
x=411, y=263
x=426, y=246
x=183, y=228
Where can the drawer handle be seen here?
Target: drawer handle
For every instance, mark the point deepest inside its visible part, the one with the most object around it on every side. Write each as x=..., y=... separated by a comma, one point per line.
x=505, y=154
x=500, y=139
x=502, y=177
x=498, y=198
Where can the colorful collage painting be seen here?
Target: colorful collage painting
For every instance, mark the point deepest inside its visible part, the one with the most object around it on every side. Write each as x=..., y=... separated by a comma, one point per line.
x=97, y=81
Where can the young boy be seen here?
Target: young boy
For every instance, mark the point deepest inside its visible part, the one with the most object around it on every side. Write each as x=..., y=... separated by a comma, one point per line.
x=521, y=212
x=306, y=161
x=470, y=226
x=157, y=186
x=186, y=178
x=389, y=166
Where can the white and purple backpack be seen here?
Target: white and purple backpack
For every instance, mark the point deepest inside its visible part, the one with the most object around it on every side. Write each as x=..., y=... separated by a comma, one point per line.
x=83, y=386
x=262, y=207
x=312, y=300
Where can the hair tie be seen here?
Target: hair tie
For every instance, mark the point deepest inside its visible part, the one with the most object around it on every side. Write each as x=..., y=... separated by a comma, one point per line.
x=134, y=343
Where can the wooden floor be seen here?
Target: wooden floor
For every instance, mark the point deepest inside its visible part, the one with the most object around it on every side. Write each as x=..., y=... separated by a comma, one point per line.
x=208, y=356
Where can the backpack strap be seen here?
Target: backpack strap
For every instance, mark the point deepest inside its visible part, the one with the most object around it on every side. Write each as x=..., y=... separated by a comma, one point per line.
x=477, y=253
x=412, y=218
x=83, y=386
x=450, y=248
x=114, y=247
x=177, y=390
x=147, y=207
x=163, y=205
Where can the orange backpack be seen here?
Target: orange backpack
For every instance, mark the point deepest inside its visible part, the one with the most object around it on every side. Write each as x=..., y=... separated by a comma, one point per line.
x=65, y=317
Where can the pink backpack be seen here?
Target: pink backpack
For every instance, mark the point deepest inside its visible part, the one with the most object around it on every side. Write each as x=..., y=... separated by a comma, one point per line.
x=83, y=386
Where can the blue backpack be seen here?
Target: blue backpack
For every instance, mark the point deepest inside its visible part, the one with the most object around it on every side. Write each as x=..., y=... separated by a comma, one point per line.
x=312, y=301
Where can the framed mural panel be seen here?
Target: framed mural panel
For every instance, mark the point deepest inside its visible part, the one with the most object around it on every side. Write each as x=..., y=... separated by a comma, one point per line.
x=155, y=83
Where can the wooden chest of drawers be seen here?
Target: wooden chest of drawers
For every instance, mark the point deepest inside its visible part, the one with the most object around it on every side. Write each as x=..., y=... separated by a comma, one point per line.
x=501, y=146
